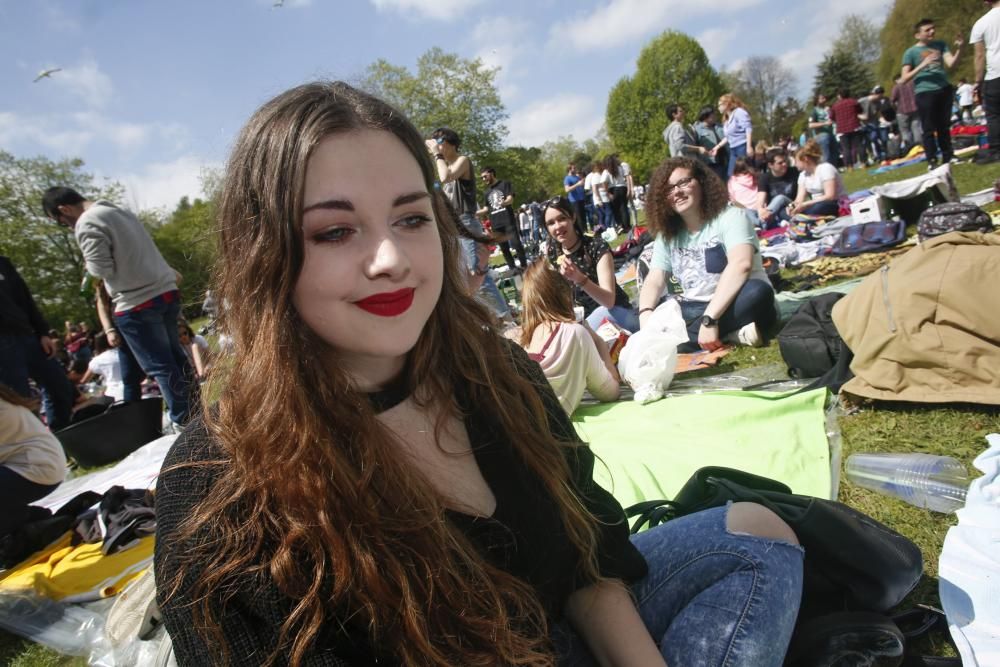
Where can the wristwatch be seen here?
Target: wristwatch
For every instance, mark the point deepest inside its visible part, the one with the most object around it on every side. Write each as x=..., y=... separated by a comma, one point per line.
x=709, y=321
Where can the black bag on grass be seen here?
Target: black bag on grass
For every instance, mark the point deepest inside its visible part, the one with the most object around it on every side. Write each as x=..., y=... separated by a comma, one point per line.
x=809, y=343
x=953, y=217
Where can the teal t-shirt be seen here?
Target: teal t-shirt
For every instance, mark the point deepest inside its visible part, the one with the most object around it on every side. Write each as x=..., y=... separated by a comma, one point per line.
x=934, y=76
x=697, y=260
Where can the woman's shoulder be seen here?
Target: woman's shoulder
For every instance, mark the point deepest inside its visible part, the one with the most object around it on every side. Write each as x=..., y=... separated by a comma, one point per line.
x=189, y=469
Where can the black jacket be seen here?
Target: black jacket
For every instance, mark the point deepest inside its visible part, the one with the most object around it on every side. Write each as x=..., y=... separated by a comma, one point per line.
x=19, y=316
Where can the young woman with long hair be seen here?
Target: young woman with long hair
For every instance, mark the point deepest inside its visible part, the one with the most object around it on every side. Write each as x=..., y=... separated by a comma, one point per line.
x=587, y=263
x=821, y=187
x=621, y=190
x=571, y=355
x=738, y=128
x=712, y=249
x=384, y=478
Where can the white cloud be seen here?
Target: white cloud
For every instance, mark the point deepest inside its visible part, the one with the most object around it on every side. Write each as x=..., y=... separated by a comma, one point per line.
x=160, y=185
x=579, y=116
x=74, y=133
x=714, y=41
x=86, y=82
x=440, y=10
x=500, y=44
x=624, y=21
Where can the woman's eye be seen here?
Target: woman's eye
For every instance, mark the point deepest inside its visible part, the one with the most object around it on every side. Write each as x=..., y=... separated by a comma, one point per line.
x=414, y=221
x=333, y=235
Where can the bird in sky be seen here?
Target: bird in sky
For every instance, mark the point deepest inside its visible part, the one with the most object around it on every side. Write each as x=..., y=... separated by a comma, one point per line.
x=46, y=73
x=277, y=3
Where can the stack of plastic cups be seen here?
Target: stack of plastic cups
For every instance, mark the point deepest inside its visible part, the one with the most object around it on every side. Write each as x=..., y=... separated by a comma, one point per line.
x=936, y=483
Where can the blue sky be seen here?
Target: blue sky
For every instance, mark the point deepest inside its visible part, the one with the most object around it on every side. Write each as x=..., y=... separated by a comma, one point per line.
x=153, y=91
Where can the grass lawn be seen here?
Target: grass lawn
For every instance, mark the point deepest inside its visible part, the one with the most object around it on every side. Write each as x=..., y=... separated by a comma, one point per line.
x=954, y=431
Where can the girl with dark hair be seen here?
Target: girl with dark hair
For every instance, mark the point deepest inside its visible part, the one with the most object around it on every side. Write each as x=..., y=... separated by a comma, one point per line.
x=385, y=478
x=621, y=190
x=571, y=355
x=712, y=250
x=586, y=262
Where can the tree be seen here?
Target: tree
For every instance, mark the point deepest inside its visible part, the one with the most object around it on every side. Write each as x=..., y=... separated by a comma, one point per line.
x=952, y=18
x=789, y=119
x=445, y=91
x=672, y=68
x=763, y=82
x=45, y=254
x=840, y=69
x=187, y=242
x=859, y=36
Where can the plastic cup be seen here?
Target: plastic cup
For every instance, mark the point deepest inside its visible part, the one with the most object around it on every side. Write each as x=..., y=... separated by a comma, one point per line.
x=934, y=482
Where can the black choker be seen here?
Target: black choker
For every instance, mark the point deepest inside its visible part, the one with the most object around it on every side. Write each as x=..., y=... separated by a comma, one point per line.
x=392, y=395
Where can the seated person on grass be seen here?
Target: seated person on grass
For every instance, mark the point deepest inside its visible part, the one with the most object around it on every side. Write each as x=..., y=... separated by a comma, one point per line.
x=32, y=462
x=712, y=250
x=586, y=261
x=742, y=185
x=107, y=364
x=571, y=355
x=777, y=187
x=819, y=181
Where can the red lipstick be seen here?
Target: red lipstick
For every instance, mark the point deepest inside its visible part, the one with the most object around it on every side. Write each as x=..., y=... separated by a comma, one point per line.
x=387, y=304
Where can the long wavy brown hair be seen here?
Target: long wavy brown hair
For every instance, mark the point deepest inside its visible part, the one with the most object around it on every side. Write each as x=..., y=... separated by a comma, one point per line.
x=660, y=212
x=732, y=102
x=545, y=297
x=312, y=491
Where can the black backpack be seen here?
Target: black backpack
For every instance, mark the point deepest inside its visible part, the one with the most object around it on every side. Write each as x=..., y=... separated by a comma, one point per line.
x=809, y=343
x=953, y=217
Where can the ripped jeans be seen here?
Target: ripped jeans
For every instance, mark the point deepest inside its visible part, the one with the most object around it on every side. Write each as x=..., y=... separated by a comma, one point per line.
x=712, y=598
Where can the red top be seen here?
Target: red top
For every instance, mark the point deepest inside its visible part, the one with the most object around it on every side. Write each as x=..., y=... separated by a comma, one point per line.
x=845, y=114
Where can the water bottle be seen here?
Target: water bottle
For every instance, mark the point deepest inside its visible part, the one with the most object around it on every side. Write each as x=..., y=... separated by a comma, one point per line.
x=933, y=482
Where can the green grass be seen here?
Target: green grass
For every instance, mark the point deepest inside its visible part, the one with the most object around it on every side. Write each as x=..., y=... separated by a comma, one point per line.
x=952, y=431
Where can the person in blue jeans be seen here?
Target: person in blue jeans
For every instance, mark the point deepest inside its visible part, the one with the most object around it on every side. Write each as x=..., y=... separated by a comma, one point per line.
x=117, y=249
x=587, y=263
x=440, y=506
x=711, y=248
x=27, y=351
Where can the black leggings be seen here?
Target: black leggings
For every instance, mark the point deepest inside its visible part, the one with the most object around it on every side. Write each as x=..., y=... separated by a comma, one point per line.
x=935, y=120
x=852, y=145
x=619, y=206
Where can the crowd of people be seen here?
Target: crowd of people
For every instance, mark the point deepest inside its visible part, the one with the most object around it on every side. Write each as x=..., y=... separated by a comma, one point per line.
x=382, y=475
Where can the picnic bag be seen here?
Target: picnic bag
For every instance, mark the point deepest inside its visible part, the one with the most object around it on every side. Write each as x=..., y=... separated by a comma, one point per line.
x=809, y=342
x=855, y=570
x=869, y=237
x=953, y=217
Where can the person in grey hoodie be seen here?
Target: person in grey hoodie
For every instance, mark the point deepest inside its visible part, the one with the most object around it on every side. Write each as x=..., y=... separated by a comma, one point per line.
x=143, y=289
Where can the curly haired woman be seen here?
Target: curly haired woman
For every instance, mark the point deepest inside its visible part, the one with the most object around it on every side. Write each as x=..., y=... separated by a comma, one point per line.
x=385, y=479
x=712, y=250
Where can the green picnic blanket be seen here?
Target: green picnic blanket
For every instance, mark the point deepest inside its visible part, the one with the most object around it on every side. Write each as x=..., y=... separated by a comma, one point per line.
x=647, y=452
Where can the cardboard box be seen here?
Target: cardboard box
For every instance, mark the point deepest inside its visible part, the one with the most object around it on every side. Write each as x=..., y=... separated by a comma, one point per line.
x=869, y=209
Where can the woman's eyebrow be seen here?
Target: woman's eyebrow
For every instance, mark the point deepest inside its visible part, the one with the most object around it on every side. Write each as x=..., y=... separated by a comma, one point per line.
x=345, y=205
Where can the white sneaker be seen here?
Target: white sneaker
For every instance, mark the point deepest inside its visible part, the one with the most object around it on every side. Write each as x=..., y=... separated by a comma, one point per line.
x=750, y=336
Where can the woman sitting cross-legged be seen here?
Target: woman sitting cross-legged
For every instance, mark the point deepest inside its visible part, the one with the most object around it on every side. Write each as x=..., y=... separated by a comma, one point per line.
x=818, y=180
x=586, y=261
x=385, y=479
x=571, y=355
x=712, y=250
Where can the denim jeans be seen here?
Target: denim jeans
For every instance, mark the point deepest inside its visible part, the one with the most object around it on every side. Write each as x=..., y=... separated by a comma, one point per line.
x=153, y=346
x=822, y=207
x=909, y=130
x=824, y=139
x=624, y=317
x=778, y=206
x=22, y=357
x=734, y=153
x=16, y=493
x=753, y=303
x=489, y=293
x=603, y=217
x=712, y=597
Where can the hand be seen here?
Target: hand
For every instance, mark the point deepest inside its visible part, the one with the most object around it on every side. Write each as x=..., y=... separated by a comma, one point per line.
x=959, y=42
x=764, y=213
x=933, y=56
x=432, y=146
x=793, y=209
x=48, y=346
x=571, y=272
x=643, y=318
x=114, y=340
x=708, y=338
x=713, y=151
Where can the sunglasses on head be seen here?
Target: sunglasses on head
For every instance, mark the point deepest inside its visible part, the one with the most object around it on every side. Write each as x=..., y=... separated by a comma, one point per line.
x=551, y=202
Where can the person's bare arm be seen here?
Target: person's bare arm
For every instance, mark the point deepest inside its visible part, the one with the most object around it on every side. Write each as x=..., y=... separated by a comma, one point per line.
x=979, y=58
x=603, y=291
x=606, y=618
x=451, y=172
x=103, y=302
x=578, y=184
x=649, y=296
x=951, y=57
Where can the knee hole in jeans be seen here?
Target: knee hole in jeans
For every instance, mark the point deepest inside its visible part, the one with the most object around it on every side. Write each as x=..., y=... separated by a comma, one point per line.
x=753, y=519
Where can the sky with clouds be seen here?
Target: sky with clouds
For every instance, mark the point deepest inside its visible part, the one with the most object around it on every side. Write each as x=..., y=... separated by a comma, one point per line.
x=152, y=92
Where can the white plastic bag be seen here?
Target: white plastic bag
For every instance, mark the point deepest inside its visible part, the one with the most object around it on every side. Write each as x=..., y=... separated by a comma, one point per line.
x=649, y=358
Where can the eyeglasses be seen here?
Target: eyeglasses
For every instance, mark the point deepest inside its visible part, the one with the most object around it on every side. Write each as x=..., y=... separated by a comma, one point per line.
x=439, y=140
x=683, y=184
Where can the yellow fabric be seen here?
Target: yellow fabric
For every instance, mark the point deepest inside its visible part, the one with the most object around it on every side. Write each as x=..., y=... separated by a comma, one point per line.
x=926, y=327
x=80, y=573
